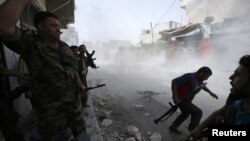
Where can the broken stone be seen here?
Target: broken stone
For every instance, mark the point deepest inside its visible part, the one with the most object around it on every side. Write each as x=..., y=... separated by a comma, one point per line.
x=132, y=130
x=102, y=103
x=130, y=139
x=108, y=113
x=106, y=122
x=155, y=137
x=139, y=107
x=138, y=136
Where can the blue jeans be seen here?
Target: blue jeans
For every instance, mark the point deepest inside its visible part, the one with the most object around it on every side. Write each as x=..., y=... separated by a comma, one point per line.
x=188, y=108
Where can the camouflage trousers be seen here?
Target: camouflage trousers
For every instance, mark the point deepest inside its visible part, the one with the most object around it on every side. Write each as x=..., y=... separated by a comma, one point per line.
x=54, y=118
x=84, y=95
x=84, y=98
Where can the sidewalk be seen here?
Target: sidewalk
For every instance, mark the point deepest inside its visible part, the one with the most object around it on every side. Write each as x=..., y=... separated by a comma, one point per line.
x=92, y=127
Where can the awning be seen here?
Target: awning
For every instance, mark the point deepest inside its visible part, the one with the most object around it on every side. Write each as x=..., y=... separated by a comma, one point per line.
x=179, y=31
x=39, y=4
x=64, y=9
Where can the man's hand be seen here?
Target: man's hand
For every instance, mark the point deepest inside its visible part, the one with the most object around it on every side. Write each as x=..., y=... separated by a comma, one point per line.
x=90, y=55
x=176, y=99
x=82, y=88
x=28, y=94
x=84, y=73
x=24, y=74
x=91, y=59
x=9, y=15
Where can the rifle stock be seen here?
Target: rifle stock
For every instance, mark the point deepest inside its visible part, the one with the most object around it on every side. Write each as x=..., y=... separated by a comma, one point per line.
x=168, y=113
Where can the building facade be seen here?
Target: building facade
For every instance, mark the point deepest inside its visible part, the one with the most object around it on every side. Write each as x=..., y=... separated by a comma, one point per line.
x=70, y=36
x=151, y=36
x=198, y=10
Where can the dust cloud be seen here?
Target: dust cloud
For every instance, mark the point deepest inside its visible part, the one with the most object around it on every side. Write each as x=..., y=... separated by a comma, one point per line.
x=151, y=68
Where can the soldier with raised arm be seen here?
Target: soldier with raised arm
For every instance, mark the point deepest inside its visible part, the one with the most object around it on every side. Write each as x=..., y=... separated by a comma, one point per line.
x=84, y=62
x=53, y=71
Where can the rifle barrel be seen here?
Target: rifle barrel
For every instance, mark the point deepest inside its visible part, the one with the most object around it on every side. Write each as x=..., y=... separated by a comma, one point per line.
x=99, y=85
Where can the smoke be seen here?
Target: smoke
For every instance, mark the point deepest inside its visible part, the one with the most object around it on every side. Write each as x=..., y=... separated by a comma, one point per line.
x=197, y=10
x=153, y=68
x=230, y=33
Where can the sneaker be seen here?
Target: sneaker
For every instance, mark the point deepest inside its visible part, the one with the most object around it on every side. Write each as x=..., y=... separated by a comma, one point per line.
x=174, y=129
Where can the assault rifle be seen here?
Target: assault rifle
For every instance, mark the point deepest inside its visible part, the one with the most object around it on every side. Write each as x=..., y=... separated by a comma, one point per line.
x=97, y=86
x=168, y=113
x=173, y=108
x=148, y=93
x=18, y=91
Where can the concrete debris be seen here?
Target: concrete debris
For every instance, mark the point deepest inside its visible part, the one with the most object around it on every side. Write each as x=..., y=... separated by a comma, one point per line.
x=101, y=115
x=139, y=107
x=138, y=136
x=155, y=137
x=106, y=122
x=132, y=130
x=116, y=122
x=108, y=114
x=130, y=139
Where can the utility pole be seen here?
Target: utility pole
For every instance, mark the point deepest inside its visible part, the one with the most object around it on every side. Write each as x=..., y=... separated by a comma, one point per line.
x=152, y=33
x=181, y=19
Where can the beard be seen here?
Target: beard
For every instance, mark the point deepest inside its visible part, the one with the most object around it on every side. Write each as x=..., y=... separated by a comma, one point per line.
x=241, y=94
x=53, y=38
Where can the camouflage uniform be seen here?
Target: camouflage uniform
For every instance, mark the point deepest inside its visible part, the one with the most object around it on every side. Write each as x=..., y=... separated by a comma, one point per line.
x=8, y=116
x=22, y=66
x=82, y=71
x=56, y=84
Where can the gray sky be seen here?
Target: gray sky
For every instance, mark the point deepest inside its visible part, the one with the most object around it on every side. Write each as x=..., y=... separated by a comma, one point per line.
x=99, y=20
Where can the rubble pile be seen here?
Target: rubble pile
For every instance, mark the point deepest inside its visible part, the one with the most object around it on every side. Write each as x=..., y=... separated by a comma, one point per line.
x=124, y=115
x=114, y=124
